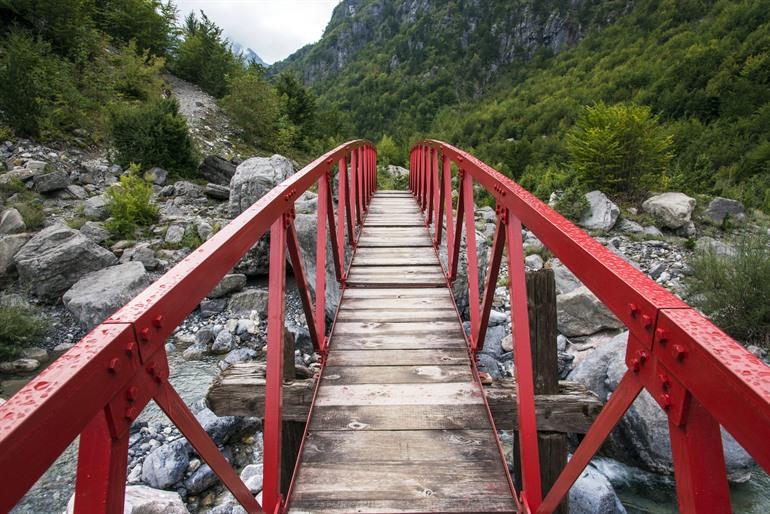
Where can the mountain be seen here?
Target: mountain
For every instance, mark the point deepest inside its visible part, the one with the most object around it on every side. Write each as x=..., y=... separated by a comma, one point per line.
x=249, y=55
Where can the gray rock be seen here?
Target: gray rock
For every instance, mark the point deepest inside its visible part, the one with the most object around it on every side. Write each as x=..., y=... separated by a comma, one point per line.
x=594, y=494
x=174, y=234
x=201, y=479
x=237, y=356
x=601, y=213
x=195, y=352
x=168, y=190
x=21, y=174
x=96, y=208
x=9, y=246
x=397, y=171
x=57, y=257
x=673, y=210
x=720, y=209
x=217, y=170
x=249, y=300
x=254, y=177
x=165, y=465
x=533, y=262
x=76, y=192
x=11, y=222
x=205, y=336
x=203, y=228
x=580, y=312
x=39, y=354
x=302, y=341
x=720, y=248
x=187, y=189
x=307, y=203
x=493, y=340
x=229, y=284
x=217, y=192
x=222, y=429
x=566, y=281
x=140, y=499
x=223, y=343
x=252, y=477
x=652, y=231
x=156, y=175
x=211, y=307
x=49, y=182
x=460, y=285
x=488, y=364
x=641, y=438
x=306, y=234
x=19, y=366
x=143, y=253
x=95, y=231
x=497, y=318
x=629, y=226
x=100, y=293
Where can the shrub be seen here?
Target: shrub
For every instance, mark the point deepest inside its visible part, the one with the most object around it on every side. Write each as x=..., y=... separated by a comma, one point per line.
x=20, y=325
x=618, y=148
x=254, y=107
x=28, y=203
x=297, y=103
x=147, y=22
x=155, y=134
x=733, y=289
x=387, y=152
x=572, y=202
x=130, y=206
x=37, y=91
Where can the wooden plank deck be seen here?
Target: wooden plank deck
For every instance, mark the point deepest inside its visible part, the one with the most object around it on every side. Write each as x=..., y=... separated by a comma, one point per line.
x=399, y=422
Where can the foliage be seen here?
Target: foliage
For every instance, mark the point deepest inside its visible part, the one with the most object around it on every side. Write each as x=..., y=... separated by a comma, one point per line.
x=155, y=134
x=388, y=153
x=148, y=23
x=20, y=325
x=16, y=195
x=253, y=106
x=204, y=56
x=618, y=148
x=733, y=289
x=389, y=181
x=572, y=203
x=298, y=105
x=130, y=205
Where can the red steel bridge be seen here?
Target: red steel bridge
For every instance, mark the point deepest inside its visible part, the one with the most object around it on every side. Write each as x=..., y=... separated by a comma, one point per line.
x=399, y=388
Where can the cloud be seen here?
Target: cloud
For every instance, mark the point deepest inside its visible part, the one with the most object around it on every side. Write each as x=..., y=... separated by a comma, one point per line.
x=272, y=28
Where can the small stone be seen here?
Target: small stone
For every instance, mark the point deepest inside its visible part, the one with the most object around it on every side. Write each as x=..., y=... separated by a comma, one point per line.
x=223, y=343
x=95, y=231
x=96, y=208
x=252, y=477
x=165, y=465
x=195, y=352
x=38, y=354
x=533, y=262
x=212, y=307
x=156, y=175
x=62, y=347
x=11, y=222
x=50, y=182
x=20, y=366
x=174, y=234
x=249, y=300
x=217, y=192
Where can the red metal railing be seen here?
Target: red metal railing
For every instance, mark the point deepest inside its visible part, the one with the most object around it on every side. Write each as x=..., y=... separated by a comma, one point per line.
x=699, y=376
x=99, y=387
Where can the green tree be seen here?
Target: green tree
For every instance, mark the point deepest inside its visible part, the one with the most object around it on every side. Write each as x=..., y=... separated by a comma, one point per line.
x=204, y=56
x=298, y=104
x=254, y=107
x=130, y=205
x=150, y=23
x=387, y=152
x=618, y=147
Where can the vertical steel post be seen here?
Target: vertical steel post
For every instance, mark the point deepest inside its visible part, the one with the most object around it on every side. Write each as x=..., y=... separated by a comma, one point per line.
x=491, y=281
x=699, y=463
x=440, y=211
x=454, y=251
x=472, y=261
x=436, y=188
x=342, y=202
x=320, y=265
x=100, y=485
x=431, y=185
x=360, y=186
x=271, y=493
x=450, y=234
x=522, y=351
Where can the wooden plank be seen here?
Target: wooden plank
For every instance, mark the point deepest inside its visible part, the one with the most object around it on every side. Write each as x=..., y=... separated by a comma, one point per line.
x=395, y=260
x=394, y=242
x=388, y=506
x=451, y=328
x=447, y=393
x=400, y=445
x=343, y=375
x=425, y=269
x=399, y=417
x=397, y=293
x=480, y=480
x=388, y=304
x=398, y=342
x=397, y=315
x=397, y=357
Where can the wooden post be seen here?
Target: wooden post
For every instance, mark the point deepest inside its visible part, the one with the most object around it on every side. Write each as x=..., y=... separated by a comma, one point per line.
x=541, y=302
x=291, y=431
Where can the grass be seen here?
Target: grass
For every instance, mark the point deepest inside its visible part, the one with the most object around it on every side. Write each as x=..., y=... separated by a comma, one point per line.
x=20, y=325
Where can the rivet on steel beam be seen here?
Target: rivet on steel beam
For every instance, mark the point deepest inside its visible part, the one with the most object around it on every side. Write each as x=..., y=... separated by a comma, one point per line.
x=144, y=334
x=642, y=356
x=678, y=352
x=665, y=401
x=114, y=365
x=157, y=321
x=152, y=369
x=130, y=347
x=665, y=382
x=635, y=365
x=132, y=393
x=661, y=335
x=633, y=310
x=131, y=413
x=646, y=321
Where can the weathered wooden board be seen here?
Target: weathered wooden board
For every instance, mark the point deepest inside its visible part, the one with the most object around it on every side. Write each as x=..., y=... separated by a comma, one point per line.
x=400, y=445
x=427, y=504
x=400, y=314
x=397, y=293
x=344, y=375
x=393, y=241
x=399, y=342
x=399, y=417
x=405, y=328
x=436, y=357
x=390, y=304
x=448, y=393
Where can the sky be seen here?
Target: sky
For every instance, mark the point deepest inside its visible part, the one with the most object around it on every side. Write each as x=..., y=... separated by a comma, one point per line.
x=272, y=28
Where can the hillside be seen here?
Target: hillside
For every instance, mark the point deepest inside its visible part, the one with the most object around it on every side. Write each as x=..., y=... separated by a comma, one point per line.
x=508, y=80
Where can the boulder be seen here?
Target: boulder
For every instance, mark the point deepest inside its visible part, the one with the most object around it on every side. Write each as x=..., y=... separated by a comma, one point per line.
x=75, y=192
x=533, y=262
x=672, y=210
x=223, y=343
x=601, y=213
x=100, y=293
x=195, y=352
x=50, y=182
x=11, y=222
x=460, y=285
x=217, y=170
x=217, y=192
x=236, y=356
x=254, y=177
x=306, y=235
x=9, y=245
x=156, y=175
x=165, y=465
x=592, y=493
x=140, y=499
x=211, y=307
x=249, y=300
x=629, y=226
x=720, y=248
x=580, y=313
x=23, y=365
x=641, y=438
x=174, y=234
x=720, y=209
x=252, y=477
x=200, y=480
x=493, y=341
x=397, y=171
x=141, y=252
x=96, y=208
x=229, y=284
x=223, y=429
x=95, y=231
x=57, y=257
x=566, y=281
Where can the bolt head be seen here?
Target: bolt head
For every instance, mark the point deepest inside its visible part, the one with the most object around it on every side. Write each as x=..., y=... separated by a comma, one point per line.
x=114, y=365
x=131, y=413
x=635, y=365
x=678, y=352
x=130, y=347
x=665, y=400
x=661, y=335
x=144, y=334
x=646, y=321
x=157, y=321
x=633, y=309
x=132, y=393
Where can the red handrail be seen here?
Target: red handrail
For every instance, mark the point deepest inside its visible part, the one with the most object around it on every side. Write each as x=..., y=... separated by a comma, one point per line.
x=100, y=386
x=700, y=376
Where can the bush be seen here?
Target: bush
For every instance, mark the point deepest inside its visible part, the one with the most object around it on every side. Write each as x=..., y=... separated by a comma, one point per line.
x=733, y=289
x=618, y=148
x=155, y=134
x=20, y=325
x=37, y=89
x=16, y=195
x=254, y=107
x=388, y=153
x=572, y=202
x=130, y=206
x=150, y=23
